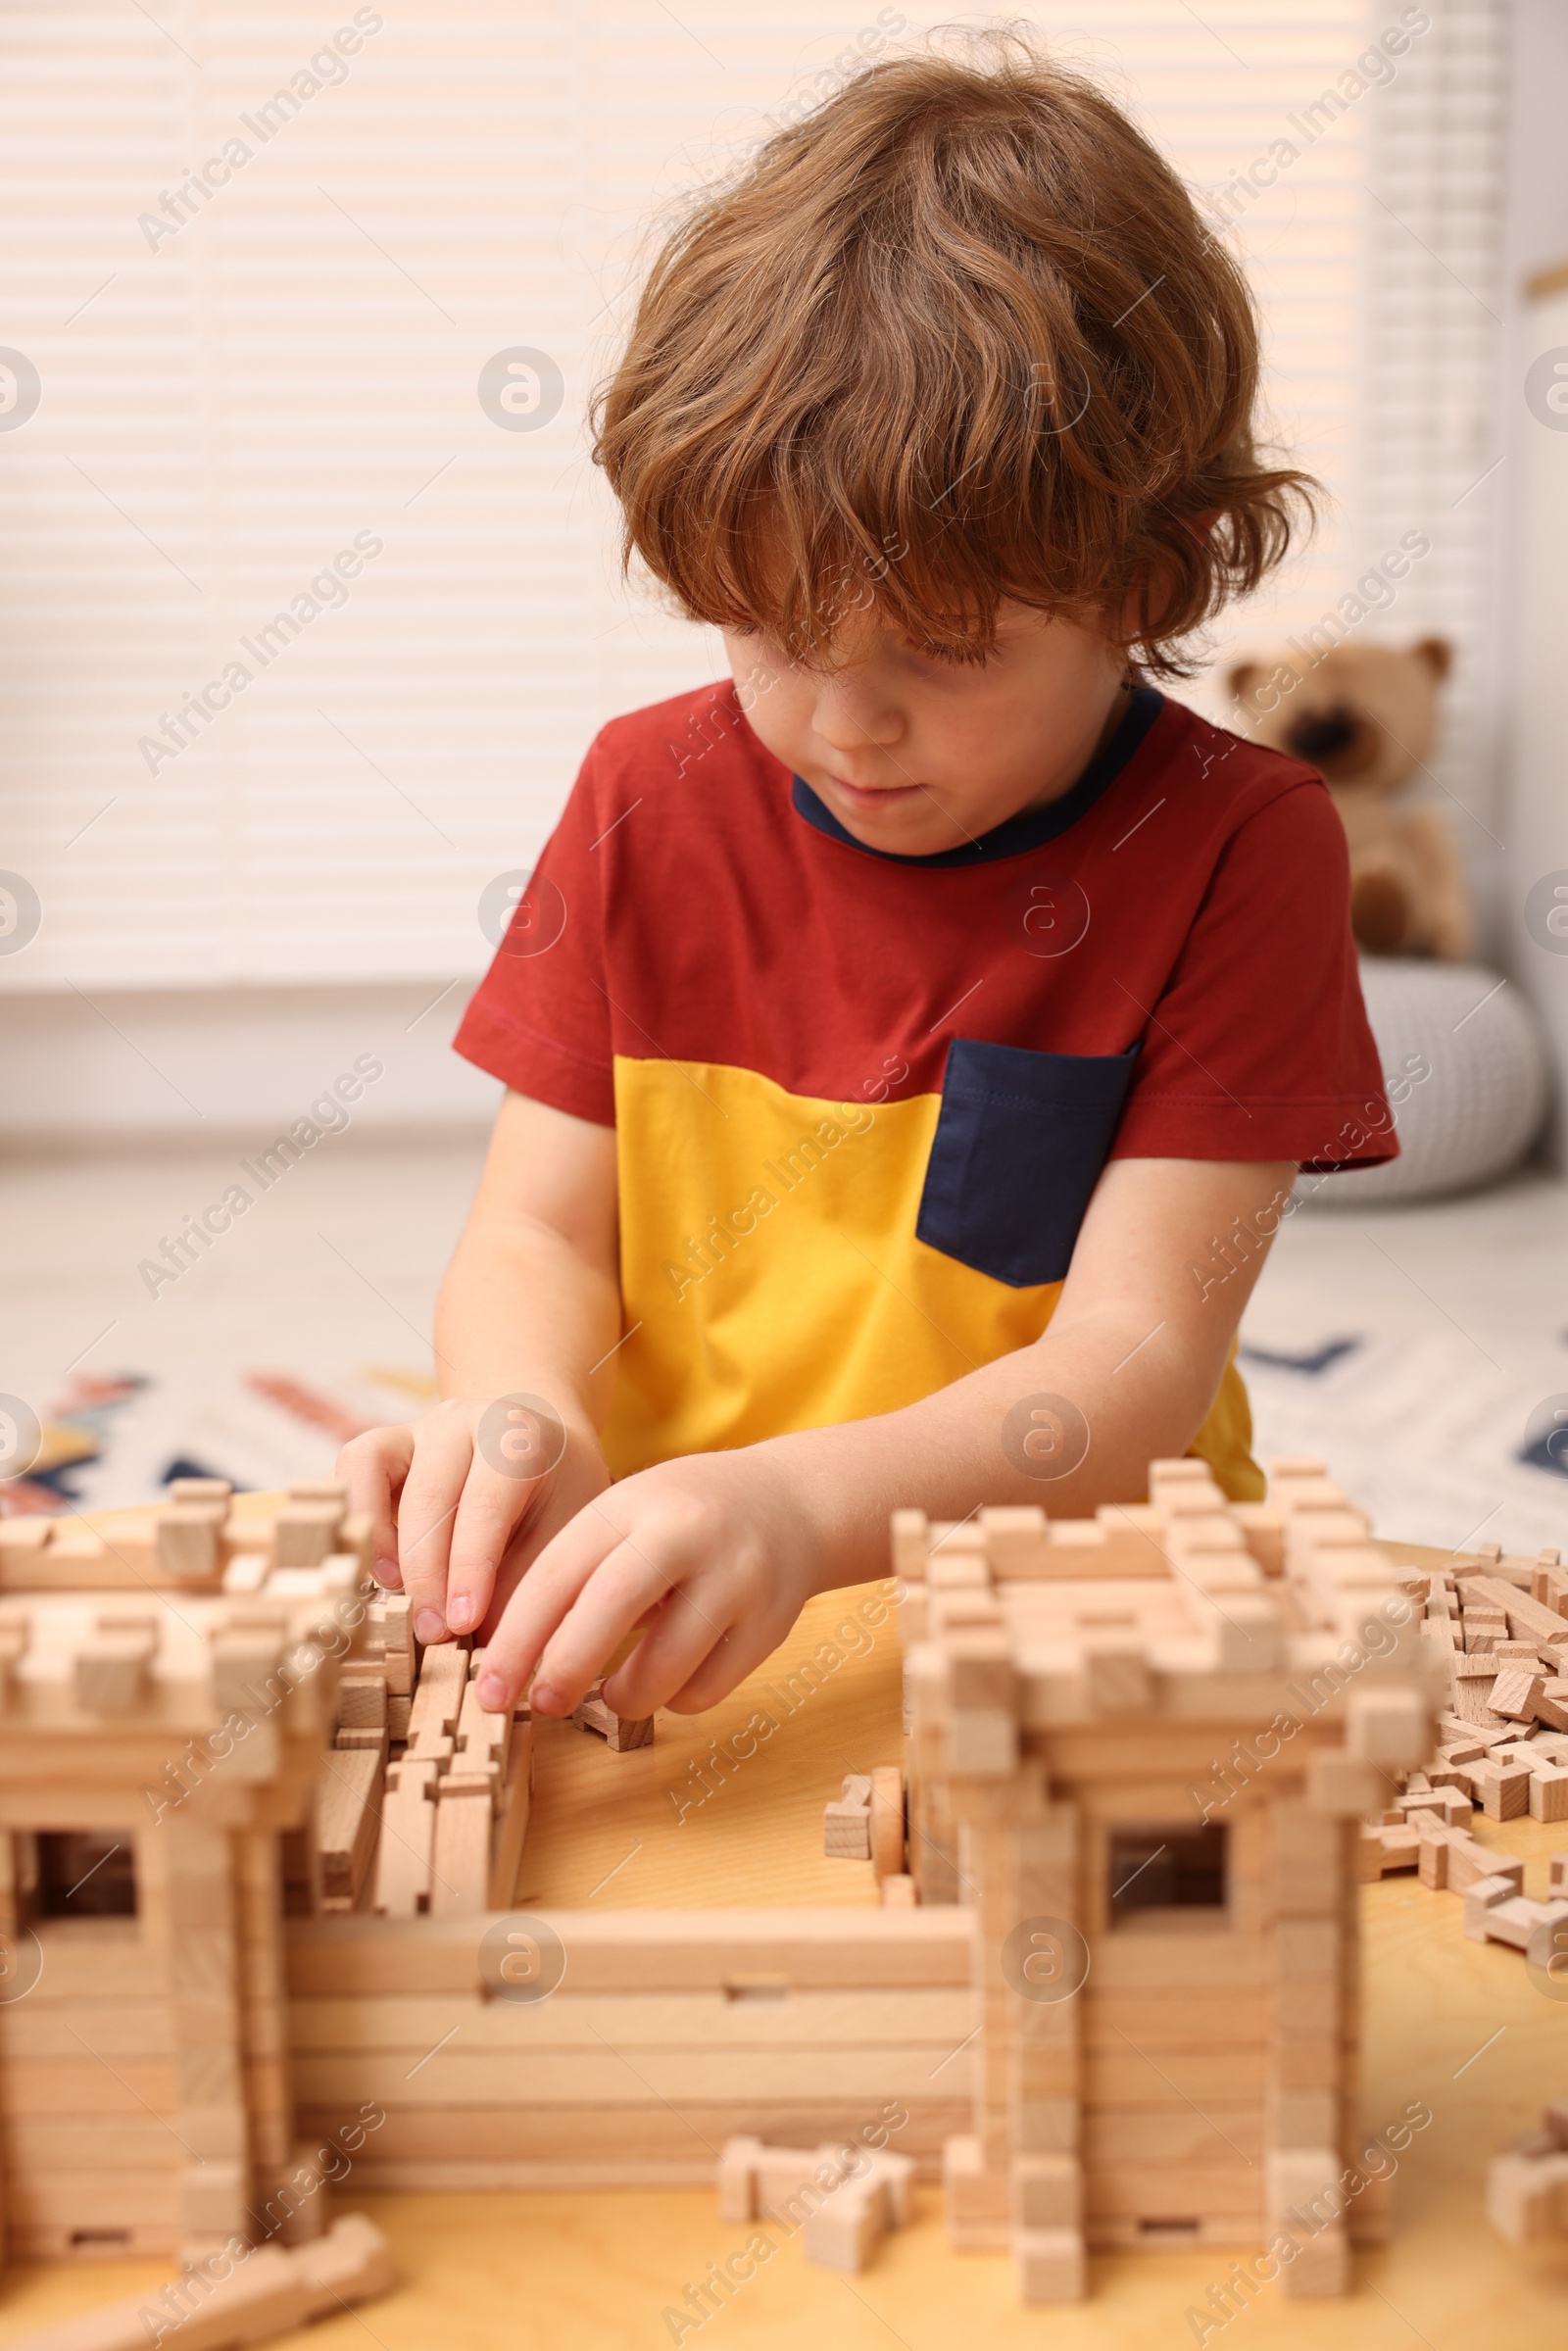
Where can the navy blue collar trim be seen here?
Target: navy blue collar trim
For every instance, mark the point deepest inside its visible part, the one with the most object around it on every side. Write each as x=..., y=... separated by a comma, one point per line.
x=1020, y=833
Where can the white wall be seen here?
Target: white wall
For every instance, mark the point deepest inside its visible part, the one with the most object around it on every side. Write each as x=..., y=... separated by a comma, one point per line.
x=240, y=1061
x=220, y=412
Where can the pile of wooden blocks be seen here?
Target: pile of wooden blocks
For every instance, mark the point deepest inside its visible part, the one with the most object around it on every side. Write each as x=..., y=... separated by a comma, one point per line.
x=1527, y=2184
x=866, y=1823
x=162, y=1748
x=842, y=2200
x=1499, y=1629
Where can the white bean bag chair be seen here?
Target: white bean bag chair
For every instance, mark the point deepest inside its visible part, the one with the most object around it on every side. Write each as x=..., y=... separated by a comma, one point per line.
x=1473, y=1118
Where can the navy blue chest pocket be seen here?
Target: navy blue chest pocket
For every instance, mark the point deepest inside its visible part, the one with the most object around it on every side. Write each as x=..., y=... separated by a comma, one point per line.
x=1019, y=1145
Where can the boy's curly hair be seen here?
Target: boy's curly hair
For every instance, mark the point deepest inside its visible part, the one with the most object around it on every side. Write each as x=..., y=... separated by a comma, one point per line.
x=959, y=335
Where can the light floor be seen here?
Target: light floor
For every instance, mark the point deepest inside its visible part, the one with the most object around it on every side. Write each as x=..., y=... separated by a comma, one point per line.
x=1458, y=1315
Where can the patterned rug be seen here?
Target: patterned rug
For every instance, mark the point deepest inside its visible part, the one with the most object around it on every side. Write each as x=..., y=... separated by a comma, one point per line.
x=1430, y=1436
x=1436, y=1442
x=120, y=1440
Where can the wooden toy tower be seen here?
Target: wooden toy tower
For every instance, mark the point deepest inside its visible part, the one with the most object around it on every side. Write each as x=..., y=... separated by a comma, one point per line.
x=160, y=1742
x=1140, y=1748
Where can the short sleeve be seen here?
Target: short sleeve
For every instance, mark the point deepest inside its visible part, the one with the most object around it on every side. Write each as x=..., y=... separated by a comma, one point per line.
x=540, y=1019
x=1258, y=1047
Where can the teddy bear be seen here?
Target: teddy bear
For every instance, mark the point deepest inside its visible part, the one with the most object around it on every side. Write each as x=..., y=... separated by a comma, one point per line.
x=1364, y=716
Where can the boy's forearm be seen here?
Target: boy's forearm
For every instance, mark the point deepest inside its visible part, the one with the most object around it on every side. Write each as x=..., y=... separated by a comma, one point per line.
x=522, y=1310
x=1070, y=1423
x=1123, y=1374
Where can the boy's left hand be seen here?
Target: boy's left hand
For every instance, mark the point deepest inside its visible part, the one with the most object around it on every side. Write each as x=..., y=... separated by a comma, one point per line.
x=713, y=1554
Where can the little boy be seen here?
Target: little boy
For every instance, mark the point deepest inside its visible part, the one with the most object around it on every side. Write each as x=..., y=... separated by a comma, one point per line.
x=912, y=1044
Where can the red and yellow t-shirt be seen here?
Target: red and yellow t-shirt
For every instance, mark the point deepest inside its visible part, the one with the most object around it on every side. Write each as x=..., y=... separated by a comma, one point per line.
x=861, y=1099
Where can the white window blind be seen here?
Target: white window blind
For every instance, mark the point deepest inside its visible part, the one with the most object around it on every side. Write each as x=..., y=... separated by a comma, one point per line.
x=245, y=379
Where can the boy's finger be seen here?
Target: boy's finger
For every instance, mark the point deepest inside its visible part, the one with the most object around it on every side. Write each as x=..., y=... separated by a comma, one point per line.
x=726, y=1664
x=541, y=1600
x=443, y=1454
x=617, y=1595
x=492, y=1507
x=678, y=1649
x=373, y=1467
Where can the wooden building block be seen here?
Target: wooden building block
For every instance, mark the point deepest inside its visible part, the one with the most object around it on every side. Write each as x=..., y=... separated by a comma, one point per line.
x=361, y=1697
x=1527, y=2196
x=1388, y=1727
x=304, y=1534
x=512, y=1824
x=844, y=2230
x=12, y=1648
x=1514, y=1693
x=213, y=2195
x=109, y=1669
x=1263, y=1526
x=1432, y=1858
x=130, y=1558
x=1341, y=1783
x=1385, y=1849
x=349, y=2263
x=460, y=1862
x=245, y=1573
x=738, y=2161
x=80, y=1550
x=911, y=1541
x=186, y=1536
x=403, y=1855
x=887, y=1820
x=438, y=1695
x=1486, y=1894
x=1502, y=1789
x=977, y=2198
x=1456, y=1735
x=1470, y=1862
x=1015, y=1540
x=982, y=1676
x=1050, y=2265
x=1548, y=1794
x=897, y=1891
x=847, y=1832
x=1551, y=1703
x=347, y=1822
x=621, y=1733
x=261, y=2298
x=20, y=1541
x=1526, y=1617
x=482, y=1737
x=1528, y=1925
x=389, y=1615
x=1450, y=1805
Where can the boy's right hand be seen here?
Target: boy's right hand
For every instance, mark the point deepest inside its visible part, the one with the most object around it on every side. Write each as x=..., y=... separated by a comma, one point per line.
x=462, y=1501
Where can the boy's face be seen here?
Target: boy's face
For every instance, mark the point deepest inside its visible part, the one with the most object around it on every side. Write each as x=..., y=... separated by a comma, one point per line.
x=916, y=755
